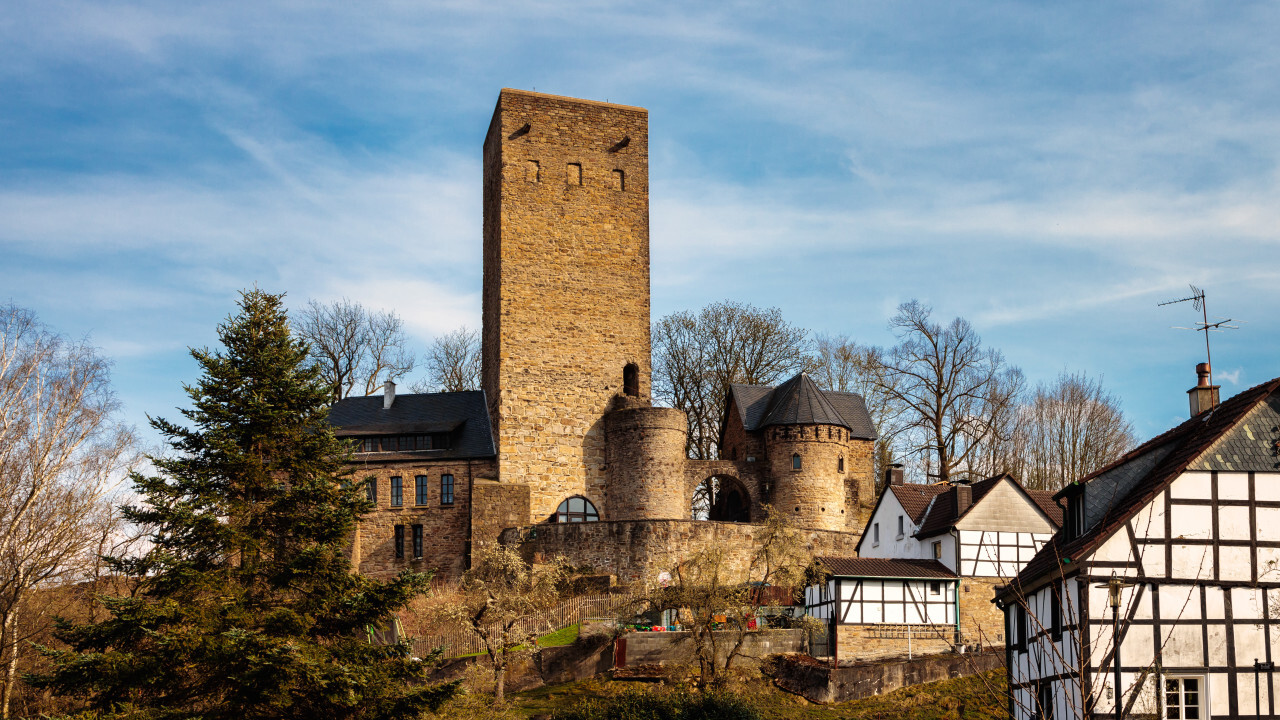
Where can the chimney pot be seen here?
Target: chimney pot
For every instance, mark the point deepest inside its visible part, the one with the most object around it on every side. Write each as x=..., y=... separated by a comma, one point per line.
x=388, y=394
x=1202, y=375
x=1203, y=396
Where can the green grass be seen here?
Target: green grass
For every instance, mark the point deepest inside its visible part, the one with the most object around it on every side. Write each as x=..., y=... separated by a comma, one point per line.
x=976, y=697
x=563, y=636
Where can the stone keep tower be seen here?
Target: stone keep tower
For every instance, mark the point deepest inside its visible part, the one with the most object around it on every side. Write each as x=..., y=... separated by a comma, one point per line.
x=566, y=286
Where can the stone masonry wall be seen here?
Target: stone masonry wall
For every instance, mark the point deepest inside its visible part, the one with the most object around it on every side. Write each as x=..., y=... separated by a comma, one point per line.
x=646, y=464
x=815, y=495
x=445, y=527
x=637, y=551
x=860, y=643
x=981, y=622
x=497, y=506
x=566, y=285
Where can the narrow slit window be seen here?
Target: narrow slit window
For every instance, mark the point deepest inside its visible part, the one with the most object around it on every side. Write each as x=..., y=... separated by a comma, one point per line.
x=575, y=173
x=631, y=380
x=840, y=465
x=619, y=180
x=446, y=489
x=532, y=171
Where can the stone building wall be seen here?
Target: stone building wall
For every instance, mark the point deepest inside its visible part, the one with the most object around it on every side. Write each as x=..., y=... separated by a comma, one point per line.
x=872, y=642
x=815, y=495
x=738, y=444
x=445, y=527
x=566, y=285
x=496, y=506
x=646, y=459
x=637, y=551
x=981, y=622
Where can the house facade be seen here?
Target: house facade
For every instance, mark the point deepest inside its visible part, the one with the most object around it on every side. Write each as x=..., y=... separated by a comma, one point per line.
x=1160, y=597
x=982, y=532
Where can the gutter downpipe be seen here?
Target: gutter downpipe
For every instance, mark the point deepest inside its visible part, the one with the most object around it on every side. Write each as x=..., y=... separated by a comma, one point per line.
x=955, y=535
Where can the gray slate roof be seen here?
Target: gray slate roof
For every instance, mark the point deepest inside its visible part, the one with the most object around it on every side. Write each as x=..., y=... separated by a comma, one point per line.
x=799, y=401
x=464, y=414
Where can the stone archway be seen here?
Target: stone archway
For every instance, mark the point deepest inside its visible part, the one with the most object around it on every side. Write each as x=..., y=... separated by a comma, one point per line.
x=722, y=498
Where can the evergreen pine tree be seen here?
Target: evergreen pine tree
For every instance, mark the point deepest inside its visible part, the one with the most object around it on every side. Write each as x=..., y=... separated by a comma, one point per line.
x=245, y=605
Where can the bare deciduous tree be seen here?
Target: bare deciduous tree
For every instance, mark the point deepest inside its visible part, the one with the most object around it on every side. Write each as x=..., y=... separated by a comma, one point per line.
x=356, y=348
x=61, y=453
x=847, y=366
x=697, y=356
x=955, y=392
x=719, y=600
x=453, y=362
x=1065, y=431
x=499, y=599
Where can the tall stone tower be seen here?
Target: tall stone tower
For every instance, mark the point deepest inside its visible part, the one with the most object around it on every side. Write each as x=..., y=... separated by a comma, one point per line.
x=566, y=287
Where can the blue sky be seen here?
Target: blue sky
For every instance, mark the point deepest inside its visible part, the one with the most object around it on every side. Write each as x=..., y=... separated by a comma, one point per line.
x=1049, y=173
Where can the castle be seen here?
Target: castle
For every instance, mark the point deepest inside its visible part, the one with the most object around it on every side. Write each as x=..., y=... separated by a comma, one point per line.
x=562, y=451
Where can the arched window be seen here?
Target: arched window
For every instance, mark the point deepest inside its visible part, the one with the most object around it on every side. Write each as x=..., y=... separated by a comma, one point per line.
x=795, y=461
x=576, y=509
x=631, y=380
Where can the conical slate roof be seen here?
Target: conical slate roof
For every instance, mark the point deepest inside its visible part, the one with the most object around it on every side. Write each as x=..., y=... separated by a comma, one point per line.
x=799, y=401
x=794, y=402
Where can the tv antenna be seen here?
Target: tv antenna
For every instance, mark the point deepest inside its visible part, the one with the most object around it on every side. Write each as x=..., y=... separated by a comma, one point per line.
x=1197, y=300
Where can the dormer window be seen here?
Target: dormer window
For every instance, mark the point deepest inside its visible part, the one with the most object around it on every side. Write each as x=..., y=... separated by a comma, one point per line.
x=1073, y=518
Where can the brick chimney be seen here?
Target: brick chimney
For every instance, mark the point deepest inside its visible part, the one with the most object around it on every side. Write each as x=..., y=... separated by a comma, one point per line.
x=388, y=394
x=893, y=475
x=1203, y=396
x=964, y=498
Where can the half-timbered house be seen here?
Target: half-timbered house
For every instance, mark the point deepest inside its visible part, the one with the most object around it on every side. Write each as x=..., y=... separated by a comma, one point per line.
x=876, y=607
x=1159, y=597
x=983, y=533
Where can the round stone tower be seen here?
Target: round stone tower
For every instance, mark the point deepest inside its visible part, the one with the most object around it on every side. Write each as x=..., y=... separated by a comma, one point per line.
x=807, y=464
x=645, y=461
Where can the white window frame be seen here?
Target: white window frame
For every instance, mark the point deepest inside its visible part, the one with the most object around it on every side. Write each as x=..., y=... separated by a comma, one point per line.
x=1202, y=702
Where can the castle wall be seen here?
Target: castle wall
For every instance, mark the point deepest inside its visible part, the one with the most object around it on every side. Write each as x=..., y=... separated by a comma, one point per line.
x=566, y=285
x=636, y=551
x=646, y=459
x=815, y=495
x=445, y=527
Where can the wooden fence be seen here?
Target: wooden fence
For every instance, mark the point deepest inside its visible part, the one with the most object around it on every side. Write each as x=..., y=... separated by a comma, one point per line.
x=463, y=641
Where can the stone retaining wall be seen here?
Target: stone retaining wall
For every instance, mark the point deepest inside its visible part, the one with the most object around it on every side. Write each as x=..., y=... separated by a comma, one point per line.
x=676, y=648
x=823, y=684
x=636, y=551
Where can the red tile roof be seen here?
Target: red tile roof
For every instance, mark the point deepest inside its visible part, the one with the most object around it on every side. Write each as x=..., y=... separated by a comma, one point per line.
x=914, y=497
x=886, y=568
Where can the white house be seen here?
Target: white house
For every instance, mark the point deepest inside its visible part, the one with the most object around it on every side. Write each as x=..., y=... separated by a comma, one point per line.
x=1176, y=545
x=876, y=607
x=983, y=533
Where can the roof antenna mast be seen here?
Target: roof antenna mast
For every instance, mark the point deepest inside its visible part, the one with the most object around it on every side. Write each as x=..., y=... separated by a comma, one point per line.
x=1197, y=299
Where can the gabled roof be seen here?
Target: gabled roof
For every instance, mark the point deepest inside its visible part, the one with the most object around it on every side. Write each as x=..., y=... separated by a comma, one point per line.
x=943, y=514
x=463, y=414
x=799, y=401
x=886, y=568
x=914, y=498
x=1167, y=456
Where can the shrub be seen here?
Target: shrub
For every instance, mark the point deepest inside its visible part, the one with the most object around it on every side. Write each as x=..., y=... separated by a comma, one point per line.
x=682, y=705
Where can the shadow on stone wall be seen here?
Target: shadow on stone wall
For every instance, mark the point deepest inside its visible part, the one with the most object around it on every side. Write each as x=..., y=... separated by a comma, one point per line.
x=824, y=684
